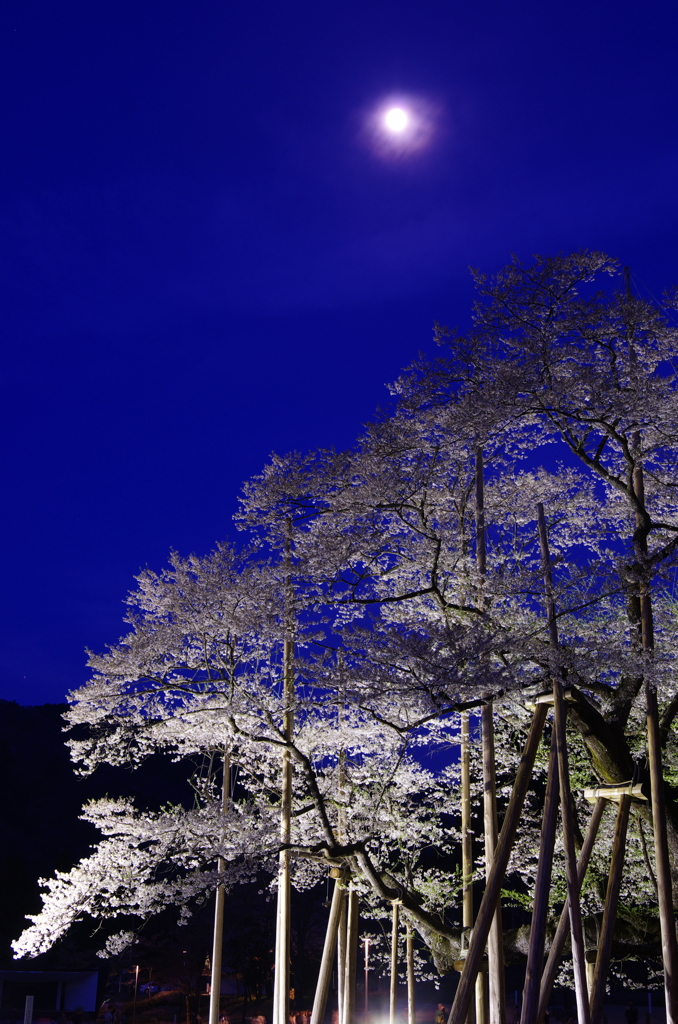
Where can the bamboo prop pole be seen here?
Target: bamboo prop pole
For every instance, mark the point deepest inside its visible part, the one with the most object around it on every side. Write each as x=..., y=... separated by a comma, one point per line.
x=341, y=958
x=217, y=941
x=351, y=957
x=535, y=955
x=610, y=911
x=394, y=963
x=488, y=905
x=322, y=988
x=576, y=928
x=281, y=993
x=558, y=943
x=411, y=990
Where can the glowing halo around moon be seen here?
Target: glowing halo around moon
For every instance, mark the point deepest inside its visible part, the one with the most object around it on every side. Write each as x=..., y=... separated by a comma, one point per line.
x=400, y=127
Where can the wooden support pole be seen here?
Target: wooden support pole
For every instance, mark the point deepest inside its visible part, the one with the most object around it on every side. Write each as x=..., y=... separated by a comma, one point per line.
x=341, y=834
x=662, y=867
x=366, y=944
x=466, y=834
x=394, y=963
x=610, y=911
x=282, y=944
x=488, y=906
x=327, y=962
x=351, y=956
x=218, y=938
x=411, y=990
x=281, y=991
x=576, y=927
x=279, y=943
x=491, y=997
x=535, y=955
x=466, y=838
x=481, y=542
x=667, y=921
x=556, y=951
x=341, y=956
x=481, y=996
x=495, y=941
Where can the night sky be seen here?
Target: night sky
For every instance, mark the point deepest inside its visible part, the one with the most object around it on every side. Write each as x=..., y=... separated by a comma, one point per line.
x=211, y=251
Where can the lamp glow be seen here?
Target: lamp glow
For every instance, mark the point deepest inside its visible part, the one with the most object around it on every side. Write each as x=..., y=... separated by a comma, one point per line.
x=396, y=120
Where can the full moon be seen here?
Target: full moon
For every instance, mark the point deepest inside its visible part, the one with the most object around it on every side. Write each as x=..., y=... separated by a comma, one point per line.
x=399, y=126
x=396, y=119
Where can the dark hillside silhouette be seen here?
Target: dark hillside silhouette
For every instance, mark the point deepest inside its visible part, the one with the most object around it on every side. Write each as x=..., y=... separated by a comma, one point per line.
x=40, y=830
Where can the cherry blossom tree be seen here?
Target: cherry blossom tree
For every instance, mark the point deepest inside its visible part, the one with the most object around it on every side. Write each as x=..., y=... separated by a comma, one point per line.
x=563, y=392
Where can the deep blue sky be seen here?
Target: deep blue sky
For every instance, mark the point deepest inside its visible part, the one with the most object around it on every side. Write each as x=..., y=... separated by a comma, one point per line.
x=204, y=258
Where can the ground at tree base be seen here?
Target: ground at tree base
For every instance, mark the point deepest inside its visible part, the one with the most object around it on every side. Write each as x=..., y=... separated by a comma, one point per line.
x=561, y=1010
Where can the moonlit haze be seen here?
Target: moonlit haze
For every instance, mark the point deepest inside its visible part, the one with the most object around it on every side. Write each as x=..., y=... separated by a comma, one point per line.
x=402, y=126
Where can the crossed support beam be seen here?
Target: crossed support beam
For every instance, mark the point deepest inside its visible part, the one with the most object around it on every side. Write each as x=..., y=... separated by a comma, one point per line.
x=539, y=984
x=342, y=930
